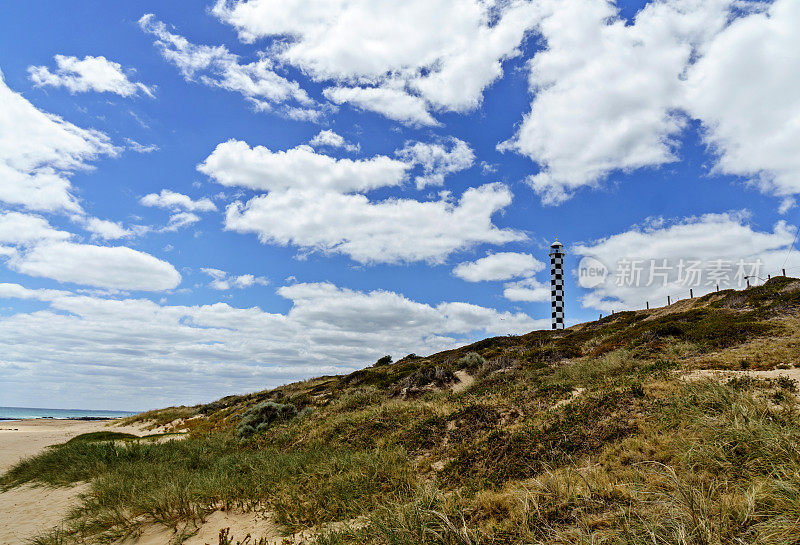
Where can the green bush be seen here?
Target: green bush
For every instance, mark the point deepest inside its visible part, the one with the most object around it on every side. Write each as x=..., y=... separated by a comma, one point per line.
x=472, y=361
x=260, y=417
x=385, y=360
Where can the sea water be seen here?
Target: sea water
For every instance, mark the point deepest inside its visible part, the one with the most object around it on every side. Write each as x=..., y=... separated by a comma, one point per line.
x=17, y=413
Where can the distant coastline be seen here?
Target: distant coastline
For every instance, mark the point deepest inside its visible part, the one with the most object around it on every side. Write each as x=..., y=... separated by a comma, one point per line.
x=27, y=413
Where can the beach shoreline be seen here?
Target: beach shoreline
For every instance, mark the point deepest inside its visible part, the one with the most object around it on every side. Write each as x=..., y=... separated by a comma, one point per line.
x=28, y=510
x=27, y=437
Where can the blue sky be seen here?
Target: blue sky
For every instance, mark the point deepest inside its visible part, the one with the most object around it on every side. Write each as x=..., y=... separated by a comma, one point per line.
x=376, y=180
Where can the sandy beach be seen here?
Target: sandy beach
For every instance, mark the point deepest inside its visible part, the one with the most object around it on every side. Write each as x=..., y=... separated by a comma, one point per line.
x=26, y=511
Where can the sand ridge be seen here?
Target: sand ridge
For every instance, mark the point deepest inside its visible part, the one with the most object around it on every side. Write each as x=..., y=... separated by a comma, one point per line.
x=29, y=510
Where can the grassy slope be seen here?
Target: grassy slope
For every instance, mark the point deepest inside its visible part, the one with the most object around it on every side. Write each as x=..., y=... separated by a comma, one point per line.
x=585, y=435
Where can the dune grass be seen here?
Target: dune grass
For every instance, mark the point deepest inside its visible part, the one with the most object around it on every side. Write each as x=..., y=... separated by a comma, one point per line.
x=180, y=482
x=103, y=436
x=590, y=435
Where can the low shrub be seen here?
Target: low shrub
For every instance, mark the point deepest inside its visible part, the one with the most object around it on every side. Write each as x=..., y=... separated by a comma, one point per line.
x=471, y=361
x=385, y=360
x=260, y=417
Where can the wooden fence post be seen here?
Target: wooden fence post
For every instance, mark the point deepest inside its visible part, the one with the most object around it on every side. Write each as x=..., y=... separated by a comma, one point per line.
x=668, y=301
x=648, y=304
x=691, y=294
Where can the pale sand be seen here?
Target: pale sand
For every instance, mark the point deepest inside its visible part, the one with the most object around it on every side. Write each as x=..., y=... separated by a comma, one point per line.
x=465, y=380
x=26, y=511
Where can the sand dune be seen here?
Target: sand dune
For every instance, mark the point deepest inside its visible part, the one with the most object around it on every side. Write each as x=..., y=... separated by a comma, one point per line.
x=27, y=510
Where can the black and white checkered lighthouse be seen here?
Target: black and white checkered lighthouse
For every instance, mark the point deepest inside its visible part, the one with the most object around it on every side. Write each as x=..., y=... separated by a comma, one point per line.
x=557, y=284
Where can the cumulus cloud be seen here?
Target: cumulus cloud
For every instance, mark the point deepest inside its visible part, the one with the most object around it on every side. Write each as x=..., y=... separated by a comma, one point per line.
x=136, y=353
x=88, y=74
x=215, y=66
x=744, y=89
x=396, y=104
x=646, y=263
x=18, y=228
x=314, y=201
x=172, y=200
x=390, y=231
x=527, y=290
x=437, y=160
x=607, y=94
x=499, y=266
x=39, y=152
x=222, y=281
x=332, y=139
x=107, y=230
x=115, y=267
x=611, y=95
x=404, y=59
x=235, y=163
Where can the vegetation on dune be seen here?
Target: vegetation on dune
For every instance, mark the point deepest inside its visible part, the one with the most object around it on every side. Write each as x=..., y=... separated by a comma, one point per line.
x=596, y=434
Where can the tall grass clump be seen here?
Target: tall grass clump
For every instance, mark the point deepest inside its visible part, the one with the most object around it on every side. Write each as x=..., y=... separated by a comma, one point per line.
x=180, y=482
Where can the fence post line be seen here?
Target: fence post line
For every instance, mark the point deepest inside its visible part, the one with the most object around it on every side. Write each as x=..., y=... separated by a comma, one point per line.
x=717, y=287
x=768, y=278
x=668, y=301
x=691, y=294
x=648, y=304
x=784, y=272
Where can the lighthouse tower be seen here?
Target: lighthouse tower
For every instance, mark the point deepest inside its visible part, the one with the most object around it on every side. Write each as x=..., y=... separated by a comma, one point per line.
x=557, y=284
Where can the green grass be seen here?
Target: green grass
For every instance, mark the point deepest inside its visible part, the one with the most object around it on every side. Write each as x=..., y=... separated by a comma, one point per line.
x=587, y=435
x=103, y=436
x=179, y=482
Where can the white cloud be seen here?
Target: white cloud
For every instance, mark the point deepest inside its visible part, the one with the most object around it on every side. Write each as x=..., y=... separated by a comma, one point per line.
x=406, y=58
x=528, y=290
x=98, y=266
x=177, y=201
x=390, y=231
x=745, y=90
x=180, y=220
x=436, y=160
x=136, y=353
x=702, y=240
x=89, y=74
x=215, y=66
x=331, y=139
x=499, y=266
x=17, y=228
x=107, y=230
x=234, y=163
x=395, y=104
x=39, y=152
x=221, y=280
x=135, y=146
x=607, y=94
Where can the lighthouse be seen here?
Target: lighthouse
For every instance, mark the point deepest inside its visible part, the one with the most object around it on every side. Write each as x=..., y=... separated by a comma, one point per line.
x=557, y=284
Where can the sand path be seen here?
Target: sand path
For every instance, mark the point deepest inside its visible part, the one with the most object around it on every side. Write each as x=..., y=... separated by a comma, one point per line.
x=26, y=510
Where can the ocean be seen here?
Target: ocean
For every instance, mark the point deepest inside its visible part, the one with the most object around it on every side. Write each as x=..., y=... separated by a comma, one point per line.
x=17, y=413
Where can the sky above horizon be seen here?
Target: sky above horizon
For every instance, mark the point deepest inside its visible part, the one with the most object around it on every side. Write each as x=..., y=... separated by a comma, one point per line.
x=215, y=200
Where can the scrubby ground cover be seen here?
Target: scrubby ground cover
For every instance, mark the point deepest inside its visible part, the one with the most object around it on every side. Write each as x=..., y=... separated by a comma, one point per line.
x=594, y=434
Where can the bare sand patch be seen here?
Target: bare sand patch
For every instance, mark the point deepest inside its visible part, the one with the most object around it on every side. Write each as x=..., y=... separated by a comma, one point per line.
x=238, y=526
x=721, y=374
x=29, y=510
x=465, y=380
